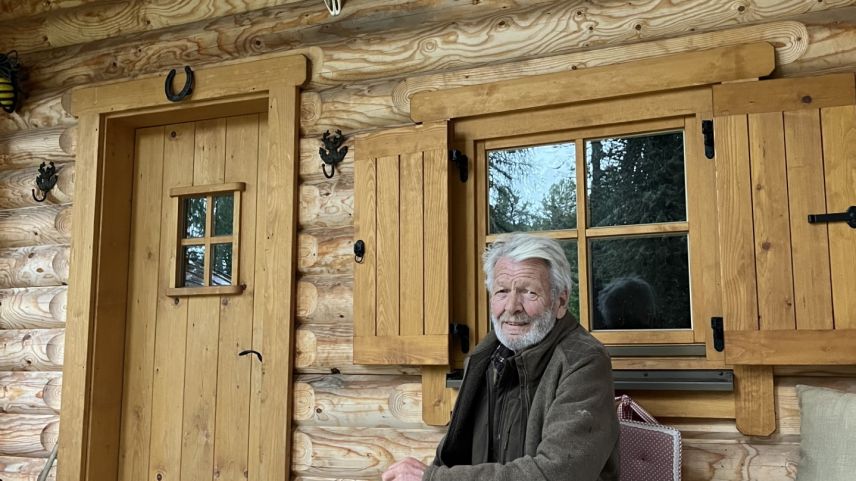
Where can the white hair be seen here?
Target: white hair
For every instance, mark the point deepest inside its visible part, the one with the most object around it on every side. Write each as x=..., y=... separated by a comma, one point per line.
x=520, y=247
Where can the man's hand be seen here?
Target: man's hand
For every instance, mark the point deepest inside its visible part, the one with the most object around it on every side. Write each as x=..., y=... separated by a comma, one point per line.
x=408, y=469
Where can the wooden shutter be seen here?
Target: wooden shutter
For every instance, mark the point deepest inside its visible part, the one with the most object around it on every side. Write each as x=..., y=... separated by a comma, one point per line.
x=786, y=149
x=401, y=287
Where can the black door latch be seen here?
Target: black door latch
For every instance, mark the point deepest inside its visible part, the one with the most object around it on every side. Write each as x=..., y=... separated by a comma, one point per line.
x=849, y=217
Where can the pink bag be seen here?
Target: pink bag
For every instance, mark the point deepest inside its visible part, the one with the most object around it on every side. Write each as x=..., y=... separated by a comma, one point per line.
x=648, y=450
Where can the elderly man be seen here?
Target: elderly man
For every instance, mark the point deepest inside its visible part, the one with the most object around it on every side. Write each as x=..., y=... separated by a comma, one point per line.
x=536, y=401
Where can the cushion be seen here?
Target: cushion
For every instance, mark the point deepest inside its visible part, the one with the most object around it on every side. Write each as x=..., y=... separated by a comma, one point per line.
x=827, y=434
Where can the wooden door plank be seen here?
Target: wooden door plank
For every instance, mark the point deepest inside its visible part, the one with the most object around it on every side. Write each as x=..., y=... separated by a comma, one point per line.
x=772, y=222
x=231, y=430
x=754, y=400
x=170, y=343
x=809, y=243
x=839, y=155
x=259, y=286
x=412, y=242
x=736, y=238
x=203, y=321
x=142, y=304
x=365, y=225
x=388, y=221
x=437, y=240
x=805, y=347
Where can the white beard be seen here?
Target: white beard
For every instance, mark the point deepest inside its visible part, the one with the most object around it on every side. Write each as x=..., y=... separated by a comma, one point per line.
x=541, y=326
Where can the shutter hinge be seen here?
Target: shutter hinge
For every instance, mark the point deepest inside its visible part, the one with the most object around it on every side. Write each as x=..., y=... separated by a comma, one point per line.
x=716, y=324
x=460, y=159
x=707, y=132
x=461, y=332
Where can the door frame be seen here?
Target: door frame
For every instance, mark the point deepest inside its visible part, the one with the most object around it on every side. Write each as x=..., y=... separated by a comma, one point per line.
x=93, y=370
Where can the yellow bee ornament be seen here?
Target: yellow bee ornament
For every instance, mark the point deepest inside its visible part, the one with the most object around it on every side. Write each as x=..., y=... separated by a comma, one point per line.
x=9, y=90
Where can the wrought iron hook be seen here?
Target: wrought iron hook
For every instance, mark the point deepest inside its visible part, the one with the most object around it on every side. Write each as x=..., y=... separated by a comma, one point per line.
x=45, y=181
x=332, y=170
x=333, y=152
x=251, y=351
x=185, y=91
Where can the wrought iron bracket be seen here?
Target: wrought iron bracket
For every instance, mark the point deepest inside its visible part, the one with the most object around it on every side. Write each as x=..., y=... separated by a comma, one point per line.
x=716, y=324
x=462, y=333
x=462, y=162
x=707, y=132
x=45, y=181
x=849, y=217
x=332, y=153
x=185, y=91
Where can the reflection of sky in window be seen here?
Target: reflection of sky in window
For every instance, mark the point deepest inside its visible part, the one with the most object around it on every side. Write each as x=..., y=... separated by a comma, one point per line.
x=533, y=171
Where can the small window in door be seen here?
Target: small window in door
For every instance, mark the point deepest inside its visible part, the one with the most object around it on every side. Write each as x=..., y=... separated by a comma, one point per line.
x=207, y=245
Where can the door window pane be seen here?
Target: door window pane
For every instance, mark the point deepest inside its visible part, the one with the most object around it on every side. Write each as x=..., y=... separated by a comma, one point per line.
x=640, y=283
x=221, y=265
x=194, y=216
x=636, y=180
x=532, y=188
x=222, y=218
x=193, y=266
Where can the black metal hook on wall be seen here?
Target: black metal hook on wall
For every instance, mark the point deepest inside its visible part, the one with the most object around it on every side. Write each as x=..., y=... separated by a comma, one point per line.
x=185, y=91
x=45, y=181
x=332, y=153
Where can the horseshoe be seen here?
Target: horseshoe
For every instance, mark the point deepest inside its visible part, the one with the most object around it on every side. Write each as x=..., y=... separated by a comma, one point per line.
x=185, y=92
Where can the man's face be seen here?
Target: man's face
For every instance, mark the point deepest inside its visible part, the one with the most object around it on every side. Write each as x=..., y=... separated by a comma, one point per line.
x=522, y=311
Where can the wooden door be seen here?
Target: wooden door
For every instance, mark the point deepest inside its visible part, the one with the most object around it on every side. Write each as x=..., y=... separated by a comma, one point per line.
x=187, y=394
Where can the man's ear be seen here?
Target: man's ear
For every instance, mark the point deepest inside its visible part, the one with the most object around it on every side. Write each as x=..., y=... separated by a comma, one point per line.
x=562, y=308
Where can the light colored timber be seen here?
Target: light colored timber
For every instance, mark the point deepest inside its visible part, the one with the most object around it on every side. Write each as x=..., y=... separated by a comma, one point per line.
x=809, y=243
x=754, y=400
x=328, y=348
x=41, y=266
x=310, y=161
x=207, y=189
x=437, y=401
x=414, y=350
x=325, y=299
x=16, y=187
x=412, y=242
x=787, y=401
x=686, y=404
x=40, y=110
x=327, y=204
x=33, y=308
x=654, y=229
x=27, y=149
x=32, y=226
x=358, y=401
x=771, y=221
x=791, y=347
x=30, y=392
x=743, y=460
x=26, y=8
x=23, y=469
x=387, y=253
x=28, y=435
x=688, y=70
x=203, y=291
x=784, y=94
x=365, y=306
x=325, y=251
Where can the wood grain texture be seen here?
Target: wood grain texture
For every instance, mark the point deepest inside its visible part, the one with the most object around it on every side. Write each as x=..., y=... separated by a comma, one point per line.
x=310, y=161
x=792, y=347
x=742, y=459
x=16, y=9
x=325, y=348
x=16, y=187
x=31, y=147
x=31, y=226
x=325, y=299
x=41, y=266
x=39, y=110
x=30, y=392
x=31, y=349
x=326, y=251
x=328, y=203
x=784, y=94
x=754, y=400
x=23, y=469
x=787, y=402
x=33, y=308
x=29, y=435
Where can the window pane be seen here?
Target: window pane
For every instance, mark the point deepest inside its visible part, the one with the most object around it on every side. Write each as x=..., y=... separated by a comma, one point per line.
x=640, y=283
x=222, y=220
x=570, y=248
x=194, y=216
x=636, y=180
x=221, y=265
x=193, y=266
x=532, y=188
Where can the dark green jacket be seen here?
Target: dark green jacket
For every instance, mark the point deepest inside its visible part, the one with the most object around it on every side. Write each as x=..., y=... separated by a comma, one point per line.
x=571, y=429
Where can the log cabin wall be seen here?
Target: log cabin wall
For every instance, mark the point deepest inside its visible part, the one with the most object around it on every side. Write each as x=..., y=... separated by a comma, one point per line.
x=351, y=421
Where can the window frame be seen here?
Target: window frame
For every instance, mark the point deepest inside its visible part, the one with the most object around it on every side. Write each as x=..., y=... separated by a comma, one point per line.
x=179, y=194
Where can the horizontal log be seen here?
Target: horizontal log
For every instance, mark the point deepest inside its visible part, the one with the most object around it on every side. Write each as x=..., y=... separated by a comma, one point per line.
x=33, y=308
x=26, y=8
x=328, y=203
x=28, y=435
x=31, y=349
x=359, y=453
x=830, y=49
x=325, y=299
x=29, y=148
x=99, y=20
x=398, y=39
x=326, y=251
x=23, y=469
x=16, y=187
x=30, y=392
x=358, y=401
x=42, y=266
x=738, y=461
x=32, y=226
x=325, y=348
x=42, y=110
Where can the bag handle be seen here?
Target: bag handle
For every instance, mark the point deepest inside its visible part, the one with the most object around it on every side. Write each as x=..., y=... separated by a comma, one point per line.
x=627, y=407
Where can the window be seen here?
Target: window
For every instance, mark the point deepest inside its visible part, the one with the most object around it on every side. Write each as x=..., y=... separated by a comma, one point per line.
x=207, y=247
